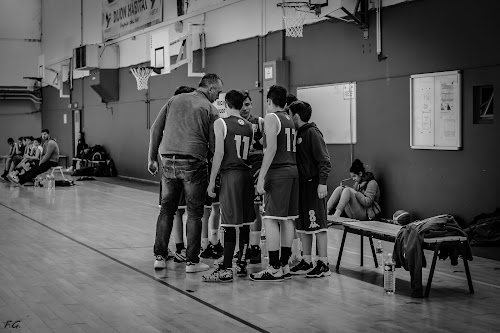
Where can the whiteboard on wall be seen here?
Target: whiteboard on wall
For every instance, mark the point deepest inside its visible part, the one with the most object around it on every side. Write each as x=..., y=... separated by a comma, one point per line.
x=333, y=110
x=436, y=111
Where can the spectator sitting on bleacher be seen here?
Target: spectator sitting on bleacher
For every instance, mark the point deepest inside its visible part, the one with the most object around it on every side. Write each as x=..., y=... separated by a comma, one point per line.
x=50, y=159
x=359, y=202
x=14, y=150
x=31, y=157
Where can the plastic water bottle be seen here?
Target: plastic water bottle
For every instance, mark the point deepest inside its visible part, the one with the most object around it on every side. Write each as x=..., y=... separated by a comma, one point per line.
x=380, y=253
x=263, y=244
x=52, y=182
x=37, y=182
x=389, y=275
x=47, y=181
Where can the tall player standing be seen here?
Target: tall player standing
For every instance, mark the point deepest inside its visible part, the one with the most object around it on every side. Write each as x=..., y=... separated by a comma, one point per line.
x=278, y=181
x=233, y=136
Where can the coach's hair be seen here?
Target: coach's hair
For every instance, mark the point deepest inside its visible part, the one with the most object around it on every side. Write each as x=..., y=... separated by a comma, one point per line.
x=209, y=79
x=10, y=141
x=234, y=99
x=357, y=167
x=277, y=95
x=45, y=131
x=183, y=90
x=303, y=109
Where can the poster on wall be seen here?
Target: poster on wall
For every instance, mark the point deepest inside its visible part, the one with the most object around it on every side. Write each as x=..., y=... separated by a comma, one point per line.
x=435, y=111
x=121, y=17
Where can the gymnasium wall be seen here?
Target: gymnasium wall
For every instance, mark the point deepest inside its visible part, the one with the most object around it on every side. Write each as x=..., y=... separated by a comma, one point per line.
x=462, y=183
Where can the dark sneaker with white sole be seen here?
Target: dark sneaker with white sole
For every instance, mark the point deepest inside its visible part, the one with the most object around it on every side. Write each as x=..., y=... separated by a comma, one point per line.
x=321, y=269
x=302, y=268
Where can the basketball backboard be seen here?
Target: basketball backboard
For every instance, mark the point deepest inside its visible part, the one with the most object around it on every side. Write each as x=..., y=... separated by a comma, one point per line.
x=160, y=51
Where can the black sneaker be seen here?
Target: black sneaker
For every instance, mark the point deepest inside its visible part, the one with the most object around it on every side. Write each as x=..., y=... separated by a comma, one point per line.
x=180, y=256
x=209, y=252
x=255, y=254
x=302, y=268
x=320, y=270
x=218, y=248
x=241, y=269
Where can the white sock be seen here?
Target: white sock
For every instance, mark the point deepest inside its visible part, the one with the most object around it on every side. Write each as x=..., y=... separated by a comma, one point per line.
x=204, y=243
x=296, y=248
x=254, y=237
x=307, y=258
x=324, y=260
x=214, y=236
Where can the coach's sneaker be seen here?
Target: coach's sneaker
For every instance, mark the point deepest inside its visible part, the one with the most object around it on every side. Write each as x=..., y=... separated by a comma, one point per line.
x=320, y=270
x=210, y=253
x=180, y=256
x=219, y=275
x=301, y=268
x=255, y=254
x=241, y=269
x=160, y=262
x=194, y=267
x=270, y=274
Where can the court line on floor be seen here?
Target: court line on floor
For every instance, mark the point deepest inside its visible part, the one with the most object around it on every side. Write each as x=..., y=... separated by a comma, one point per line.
x=185, y=293
x=119, y=196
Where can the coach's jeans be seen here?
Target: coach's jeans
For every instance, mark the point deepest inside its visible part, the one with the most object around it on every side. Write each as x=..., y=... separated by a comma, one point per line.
x=192, y=176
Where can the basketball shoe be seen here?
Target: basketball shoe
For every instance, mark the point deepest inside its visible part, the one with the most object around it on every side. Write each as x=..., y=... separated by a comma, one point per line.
x=321, y=269
x=301, y=268
x=241, y=269
x=219, y=275
x=210, y=252
x=286, y=272
x=270, y=274
x=180, y=256
x=194, y=267
x=255, y=254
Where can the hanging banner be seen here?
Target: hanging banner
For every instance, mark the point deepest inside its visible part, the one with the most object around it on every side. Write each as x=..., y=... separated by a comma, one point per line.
x=120, y=17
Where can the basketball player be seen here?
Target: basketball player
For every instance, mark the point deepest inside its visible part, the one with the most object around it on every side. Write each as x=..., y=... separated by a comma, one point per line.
x=255, y=161
x=278, y=181
x=233, y=136
x=313, y=163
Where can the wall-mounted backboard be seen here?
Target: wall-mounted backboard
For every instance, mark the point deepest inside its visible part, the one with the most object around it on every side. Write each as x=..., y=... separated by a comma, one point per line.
x=435, y=111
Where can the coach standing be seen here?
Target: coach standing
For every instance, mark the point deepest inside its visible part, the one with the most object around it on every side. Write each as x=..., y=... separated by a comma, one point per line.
x=180, y=134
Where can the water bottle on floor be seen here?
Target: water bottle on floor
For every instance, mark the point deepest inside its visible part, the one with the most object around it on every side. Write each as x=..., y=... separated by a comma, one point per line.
x=47, y=181
x=389, y=275
x=380, y=254
x=263, y=244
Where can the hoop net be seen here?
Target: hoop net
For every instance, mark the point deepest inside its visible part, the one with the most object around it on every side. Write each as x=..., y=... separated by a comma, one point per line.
x=294, y=14
x=32, y=83
x=142, y=75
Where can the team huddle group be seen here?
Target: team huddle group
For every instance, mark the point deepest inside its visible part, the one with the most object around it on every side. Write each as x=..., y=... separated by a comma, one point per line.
x=239, y=160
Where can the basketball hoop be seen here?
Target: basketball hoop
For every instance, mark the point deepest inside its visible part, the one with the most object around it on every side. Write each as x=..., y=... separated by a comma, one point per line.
x=142, y=75
x=32, y=82
x=294, y=14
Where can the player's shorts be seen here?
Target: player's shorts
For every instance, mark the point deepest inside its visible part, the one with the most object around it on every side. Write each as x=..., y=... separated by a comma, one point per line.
x=312, y=210
x=236, y=194
x=281, y=200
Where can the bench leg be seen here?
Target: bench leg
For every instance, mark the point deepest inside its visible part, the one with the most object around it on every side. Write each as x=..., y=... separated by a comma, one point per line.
x=361, y=250
x=373, y=251
x=341, y=250
x=431, y=274
x=466, y=265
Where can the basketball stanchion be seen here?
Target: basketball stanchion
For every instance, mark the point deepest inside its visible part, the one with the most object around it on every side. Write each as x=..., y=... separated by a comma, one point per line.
x=142, y=75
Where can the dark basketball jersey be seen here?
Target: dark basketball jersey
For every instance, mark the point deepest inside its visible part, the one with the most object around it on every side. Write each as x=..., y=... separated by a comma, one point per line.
x=285, y=142
x=238, y=135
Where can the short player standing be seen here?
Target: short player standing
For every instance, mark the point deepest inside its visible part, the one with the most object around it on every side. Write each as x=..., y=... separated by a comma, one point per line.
x=278, y=181
x=233, y=136
x=313, y=163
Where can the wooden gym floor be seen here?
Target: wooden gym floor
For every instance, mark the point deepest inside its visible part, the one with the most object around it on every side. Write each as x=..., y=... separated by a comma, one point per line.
x=79, y=259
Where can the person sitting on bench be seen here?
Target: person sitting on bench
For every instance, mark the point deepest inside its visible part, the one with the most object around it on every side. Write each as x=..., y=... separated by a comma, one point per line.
x=31, y=158
x=50, y=159
x=359, y=202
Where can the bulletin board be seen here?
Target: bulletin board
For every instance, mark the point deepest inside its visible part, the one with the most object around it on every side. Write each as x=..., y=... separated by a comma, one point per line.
x=436, y=111
x=333, y=110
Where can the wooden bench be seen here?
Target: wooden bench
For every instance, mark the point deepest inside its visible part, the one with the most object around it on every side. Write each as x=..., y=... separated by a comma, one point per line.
x=388, y=232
